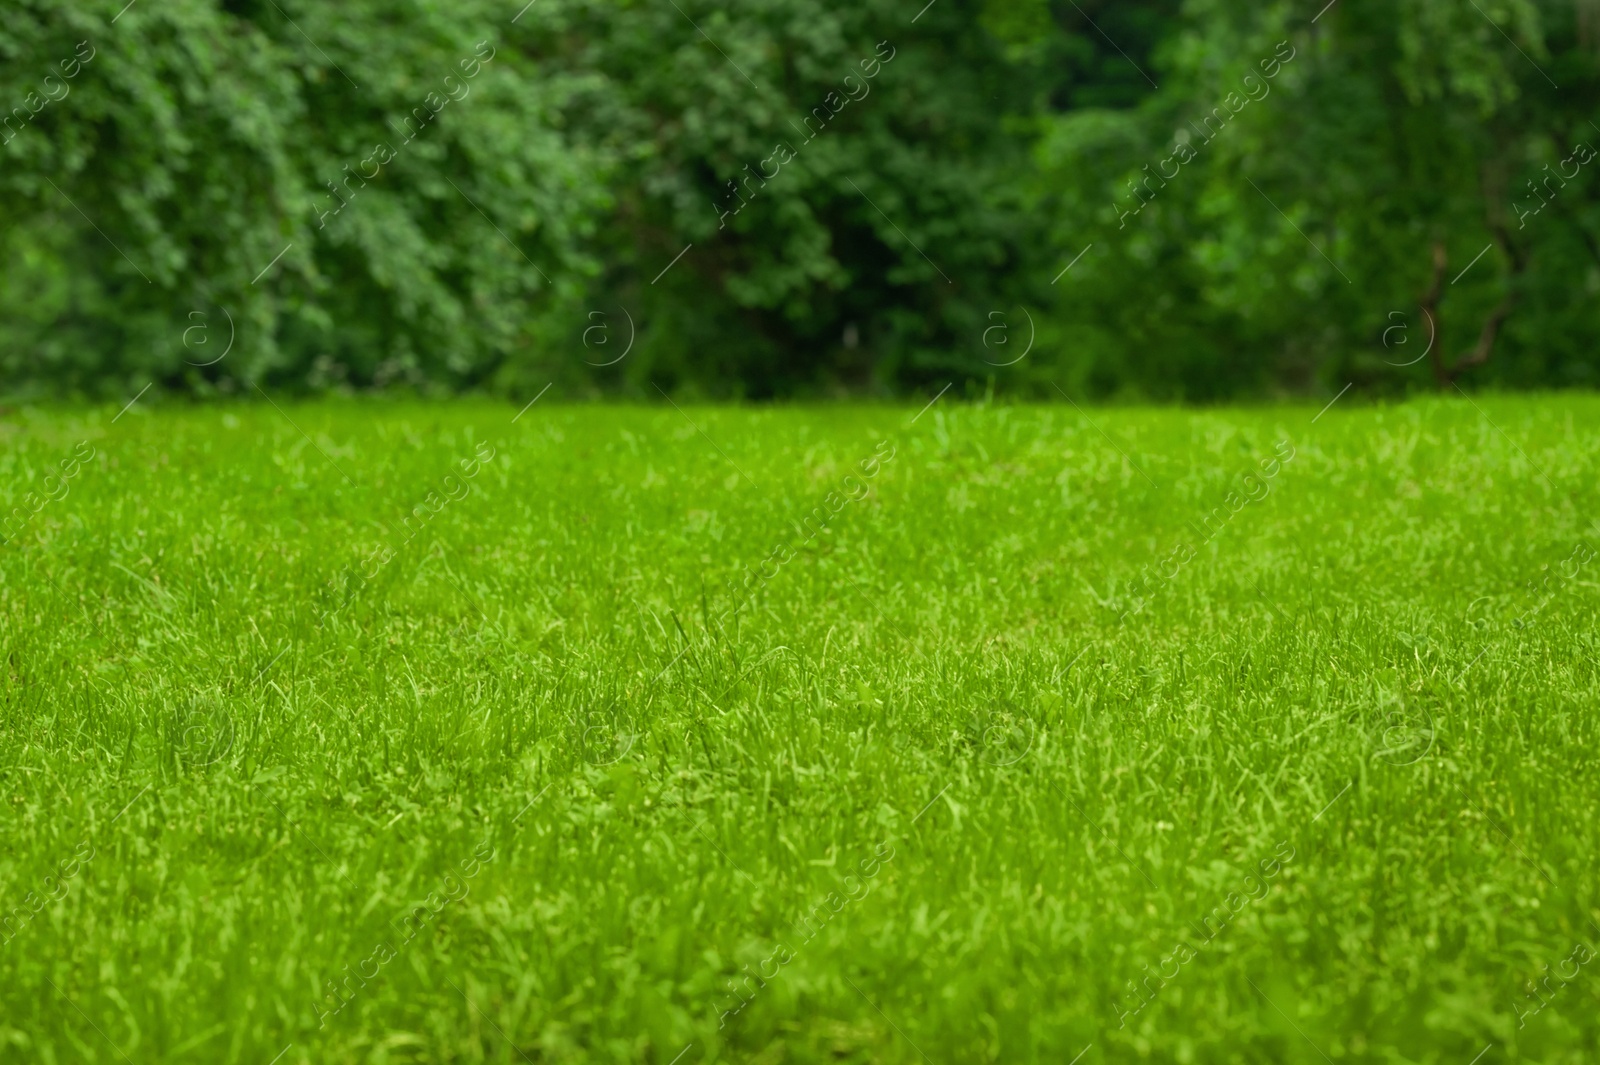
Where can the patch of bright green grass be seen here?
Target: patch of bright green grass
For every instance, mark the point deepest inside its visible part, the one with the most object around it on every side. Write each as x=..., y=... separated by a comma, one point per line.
x=408, y=733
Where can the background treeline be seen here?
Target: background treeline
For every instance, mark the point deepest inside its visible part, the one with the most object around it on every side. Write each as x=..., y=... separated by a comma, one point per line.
x=877, y=200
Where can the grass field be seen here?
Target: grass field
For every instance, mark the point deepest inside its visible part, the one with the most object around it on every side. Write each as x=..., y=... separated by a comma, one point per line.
x=400, y=732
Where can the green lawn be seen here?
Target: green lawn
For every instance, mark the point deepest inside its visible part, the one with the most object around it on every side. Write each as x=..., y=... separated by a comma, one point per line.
x=400, y=732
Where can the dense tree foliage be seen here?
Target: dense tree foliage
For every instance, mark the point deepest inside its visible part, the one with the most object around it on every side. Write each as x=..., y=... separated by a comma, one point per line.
x=799, y=196
x=1325, y=222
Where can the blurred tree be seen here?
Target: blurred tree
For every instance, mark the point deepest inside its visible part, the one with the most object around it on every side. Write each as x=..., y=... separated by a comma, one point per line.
x=1186, y=198
x=845, y=174
x=371, y=191
x=1324, y=229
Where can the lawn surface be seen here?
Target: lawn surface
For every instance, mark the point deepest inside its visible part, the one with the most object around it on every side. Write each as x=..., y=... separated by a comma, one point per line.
x=399, y=732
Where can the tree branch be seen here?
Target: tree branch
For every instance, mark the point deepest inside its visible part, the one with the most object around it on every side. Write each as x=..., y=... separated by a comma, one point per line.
x=1430, y=310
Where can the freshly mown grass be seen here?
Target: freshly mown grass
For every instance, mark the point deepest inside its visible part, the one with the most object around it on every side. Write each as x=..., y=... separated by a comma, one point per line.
x=608, y=752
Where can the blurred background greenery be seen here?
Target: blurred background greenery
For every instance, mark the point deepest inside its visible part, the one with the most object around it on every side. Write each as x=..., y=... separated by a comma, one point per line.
x=799, y=197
